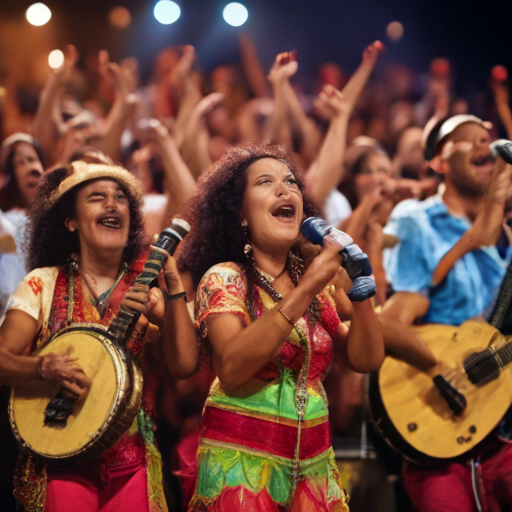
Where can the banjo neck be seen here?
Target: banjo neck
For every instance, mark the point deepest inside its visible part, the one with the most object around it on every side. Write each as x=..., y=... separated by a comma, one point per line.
x=126, y=319
x=123, y=324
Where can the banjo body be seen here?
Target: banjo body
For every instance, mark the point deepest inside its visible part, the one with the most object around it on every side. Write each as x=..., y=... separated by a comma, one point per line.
x=99, y=420
x=94, y=424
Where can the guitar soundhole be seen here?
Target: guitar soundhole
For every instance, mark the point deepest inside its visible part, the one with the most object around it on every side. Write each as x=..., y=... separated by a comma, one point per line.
x=412, y=427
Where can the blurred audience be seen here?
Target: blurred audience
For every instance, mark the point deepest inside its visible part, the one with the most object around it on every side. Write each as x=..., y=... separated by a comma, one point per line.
x=358, y=138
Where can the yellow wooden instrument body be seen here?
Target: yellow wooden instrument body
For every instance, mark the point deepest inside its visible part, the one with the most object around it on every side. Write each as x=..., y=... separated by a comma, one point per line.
x=412, y=415
x=99, y=420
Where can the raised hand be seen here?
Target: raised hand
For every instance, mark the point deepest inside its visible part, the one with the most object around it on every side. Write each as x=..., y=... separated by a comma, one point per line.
x=63, y=369
x=112, y=72
x=324, y=268
x=182, y=69
x=207, y=104
x=63, y=74
x=284, y=67
x=330, y=102
x=373, y=51
x=487, y=226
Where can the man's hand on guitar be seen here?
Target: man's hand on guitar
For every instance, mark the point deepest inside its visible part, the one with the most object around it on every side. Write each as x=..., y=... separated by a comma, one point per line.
x=63, y=369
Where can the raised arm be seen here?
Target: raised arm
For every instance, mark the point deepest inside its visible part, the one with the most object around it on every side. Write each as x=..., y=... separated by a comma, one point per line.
x=252, y=67
x=501, y=100
x=354, y=87
x=194, y=147
x=486, y=229
x=109, y=140
x=327, y=170
x=178, y=179
x=325, y=173
x=278, y=128
x=45, y=128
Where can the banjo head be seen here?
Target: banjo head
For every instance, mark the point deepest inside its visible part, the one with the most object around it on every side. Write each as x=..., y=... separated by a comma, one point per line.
x=104, y=364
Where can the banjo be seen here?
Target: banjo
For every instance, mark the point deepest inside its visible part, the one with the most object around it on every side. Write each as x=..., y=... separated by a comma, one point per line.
x=58, y=429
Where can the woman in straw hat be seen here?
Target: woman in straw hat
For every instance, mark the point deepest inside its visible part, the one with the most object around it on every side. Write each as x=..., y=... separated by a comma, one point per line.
x=86, y=231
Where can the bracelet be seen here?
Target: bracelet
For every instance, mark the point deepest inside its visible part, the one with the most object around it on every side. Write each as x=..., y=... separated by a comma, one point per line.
x=168, y=297
x=40, y=367
x=286, y=317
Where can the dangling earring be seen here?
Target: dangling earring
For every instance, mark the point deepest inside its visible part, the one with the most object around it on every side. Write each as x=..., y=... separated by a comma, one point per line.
x=248, y=250
x=247, y=247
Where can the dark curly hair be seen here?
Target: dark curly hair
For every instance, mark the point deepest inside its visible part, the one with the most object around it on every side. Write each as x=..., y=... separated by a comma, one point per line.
x=215, y=211
x=48, y=241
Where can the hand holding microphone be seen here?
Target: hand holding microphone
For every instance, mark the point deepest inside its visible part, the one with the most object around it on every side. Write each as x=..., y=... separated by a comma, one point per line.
x=354, y=261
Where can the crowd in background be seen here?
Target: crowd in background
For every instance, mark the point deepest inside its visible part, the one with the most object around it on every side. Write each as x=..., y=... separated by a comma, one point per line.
x=358, y=137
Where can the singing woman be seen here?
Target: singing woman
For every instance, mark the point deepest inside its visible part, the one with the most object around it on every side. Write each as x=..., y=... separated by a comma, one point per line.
x=86, y=243
x=271, y=332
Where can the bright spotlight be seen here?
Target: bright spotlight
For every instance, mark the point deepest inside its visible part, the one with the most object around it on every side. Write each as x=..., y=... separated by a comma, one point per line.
x=235, y=14
x=55, y=59
x=395, y=31
x=166, y=12
x=38, y=14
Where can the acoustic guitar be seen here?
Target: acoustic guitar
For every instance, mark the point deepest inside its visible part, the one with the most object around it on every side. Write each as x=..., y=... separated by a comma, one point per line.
x=446, y=411
x=58, y=429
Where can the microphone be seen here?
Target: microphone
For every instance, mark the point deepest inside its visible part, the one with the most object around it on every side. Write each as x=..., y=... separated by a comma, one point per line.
x=353, y=259
x=502, y=148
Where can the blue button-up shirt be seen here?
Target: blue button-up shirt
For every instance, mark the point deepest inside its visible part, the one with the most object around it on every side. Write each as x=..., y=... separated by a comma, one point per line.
x=426, y=232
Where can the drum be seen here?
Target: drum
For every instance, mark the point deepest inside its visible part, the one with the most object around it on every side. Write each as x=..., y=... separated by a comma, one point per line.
x=99, y=420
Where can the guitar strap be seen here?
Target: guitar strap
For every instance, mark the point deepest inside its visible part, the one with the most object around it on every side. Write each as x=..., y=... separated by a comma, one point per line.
x=501, y=315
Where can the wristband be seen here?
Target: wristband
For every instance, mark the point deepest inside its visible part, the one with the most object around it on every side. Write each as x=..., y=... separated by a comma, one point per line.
x=286, y=317
x=176, y=296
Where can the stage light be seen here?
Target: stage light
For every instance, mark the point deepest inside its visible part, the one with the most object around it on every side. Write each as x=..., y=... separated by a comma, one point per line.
x=166, y=12
x=55, y=59
x=120, y=17
x=38, y=14
x=499, y=73
x=235, y=14
x=395, y=31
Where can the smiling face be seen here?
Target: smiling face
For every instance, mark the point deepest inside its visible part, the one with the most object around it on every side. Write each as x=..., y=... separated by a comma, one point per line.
x=273, y=206
x=102, y=217
x=28, y=170
x=470, y=162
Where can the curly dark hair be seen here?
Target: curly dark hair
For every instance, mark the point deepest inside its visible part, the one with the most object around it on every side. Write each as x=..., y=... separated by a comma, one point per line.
x=48, y=241
x=215, y=211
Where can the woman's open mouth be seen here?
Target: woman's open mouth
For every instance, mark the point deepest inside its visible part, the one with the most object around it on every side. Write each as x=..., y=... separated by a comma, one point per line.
x=110, y=221
x=284, y=212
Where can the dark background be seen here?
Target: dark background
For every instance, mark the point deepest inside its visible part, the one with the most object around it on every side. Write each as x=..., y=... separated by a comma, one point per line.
x=474, y=36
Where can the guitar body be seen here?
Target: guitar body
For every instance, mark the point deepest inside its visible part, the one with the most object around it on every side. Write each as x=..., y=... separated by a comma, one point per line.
x=411, y=413
x=99, y=420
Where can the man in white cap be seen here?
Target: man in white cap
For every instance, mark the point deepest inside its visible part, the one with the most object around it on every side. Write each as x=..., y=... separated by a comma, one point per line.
x=458, y=148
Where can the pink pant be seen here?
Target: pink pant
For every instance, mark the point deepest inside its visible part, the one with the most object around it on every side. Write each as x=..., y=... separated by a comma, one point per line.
x=450, y=490
x=86, y=492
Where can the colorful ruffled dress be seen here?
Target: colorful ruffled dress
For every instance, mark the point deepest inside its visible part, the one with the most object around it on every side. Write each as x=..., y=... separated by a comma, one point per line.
x=44, y=295
x=267, y=446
